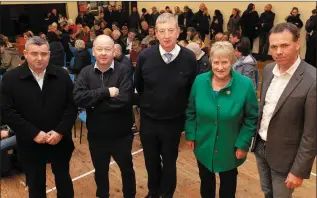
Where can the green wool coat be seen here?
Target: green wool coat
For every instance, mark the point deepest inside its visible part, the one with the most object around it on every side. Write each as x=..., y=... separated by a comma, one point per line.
x=221, y=123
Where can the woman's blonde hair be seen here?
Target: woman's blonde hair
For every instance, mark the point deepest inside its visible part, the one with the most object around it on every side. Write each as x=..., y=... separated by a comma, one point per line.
x=223, y=48
x=80, y=44
x=107, y=31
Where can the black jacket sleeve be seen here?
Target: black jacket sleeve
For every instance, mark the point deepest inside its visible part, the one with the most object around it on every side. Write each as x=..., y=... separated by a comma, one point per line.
x=11, y=117
x=124, y=99
x=84, y=97
x=70, y=112
x=138, y=78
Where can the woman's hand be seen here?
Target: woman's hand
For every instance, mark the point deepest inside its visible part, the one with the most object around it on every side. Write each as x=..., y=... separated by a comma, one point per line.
x=191, y=144
x=240, y=154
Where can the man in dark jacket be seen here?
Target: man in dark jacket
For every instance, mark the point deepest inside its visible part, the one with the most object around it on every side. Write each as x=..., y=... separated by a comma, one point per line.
x=311, y=28
x=120, y=57
x=266, y=21
x=105, y=90
x=37, y=104
x=201, y=21
x=185, y=18
x=81, y=59
x=201, y=56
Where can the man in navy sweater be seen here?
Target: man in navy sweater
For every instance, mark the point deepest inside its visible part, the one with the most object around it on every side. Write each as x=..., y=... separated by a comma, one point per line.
x=163, y=78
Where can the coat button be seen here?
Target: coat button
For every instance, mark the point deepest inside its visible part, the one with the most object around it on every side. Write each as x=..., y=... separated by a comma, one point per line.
x=216, y=152
x=218, y=107
x=215, y=123
x=217, y=137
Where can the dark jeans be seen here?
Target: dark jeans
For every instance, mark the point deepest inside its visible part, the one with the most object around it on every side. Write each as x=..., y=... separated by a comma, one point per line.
x=272, y=182
x=264, y=43
x=101, y=151
x=160, y=141
x=228, y=183
x=35, y=172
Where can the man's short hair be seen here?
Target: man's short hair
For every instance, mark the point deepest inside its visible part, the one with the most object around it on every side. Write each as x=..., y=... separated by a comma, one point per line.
x=166, y=17
x=36, y=40
x=243, y=47
x=236, y=34
x=281, y=27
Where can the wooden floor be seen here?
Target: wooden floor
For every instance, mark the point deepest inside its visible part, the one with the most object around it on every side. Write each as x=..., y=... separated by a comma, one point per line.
x=81, y=170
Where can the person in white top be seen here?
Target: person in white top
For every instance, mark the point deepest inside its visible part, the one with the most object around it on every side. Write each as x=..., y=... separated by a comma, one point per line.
x=285, y=146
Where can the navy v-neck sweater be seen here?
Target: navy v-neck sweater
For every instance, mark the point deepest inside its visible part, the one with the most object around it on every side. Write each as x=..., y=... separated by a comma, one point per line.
x=164, y=88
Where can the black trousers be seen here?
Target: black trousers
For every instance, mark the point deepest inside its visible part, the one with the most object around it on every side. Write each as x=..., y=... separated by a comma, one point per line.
x=228, y=183
x=160, y=141
x=264, y=43
x=101, y=151
x=34, y=166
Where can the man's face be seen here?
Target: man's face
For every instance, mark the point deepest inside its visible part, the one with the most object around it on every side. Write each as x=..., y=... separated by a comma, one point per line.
x=79, y=28
x=119, y=7
x=115, y=36
x=54, y=11
x=37, y=56
x=283, y=49
x=233, y=39
x=97, y=27
x=114, y=27
x=145, y=26
x=117, y=52
x=294, y=12
x=151, y=31
x=167, y=34
x=154, y=10
x=124, y=32
x=134, y=9
x=131, y=36
x=202, y=7
x=103, y=51
x=267, y=8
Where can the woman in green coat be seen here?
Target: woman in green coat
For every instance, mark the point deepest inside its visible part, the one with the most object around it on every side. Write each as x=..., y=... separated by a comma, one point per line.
x=221, y=121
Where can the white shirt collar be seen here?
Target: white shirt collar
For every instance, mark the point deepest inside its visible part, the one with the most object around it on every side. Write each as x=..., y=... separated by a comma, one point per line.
x=111, y=66
x=174, y=52
x=290, y=70
x=38, y=76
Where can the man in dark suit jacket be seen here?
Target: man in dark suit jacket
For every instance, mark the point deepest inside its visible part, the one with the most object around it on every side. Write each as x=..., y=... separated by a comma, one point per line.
x=285, y=146
x=37, y=104
x=266, y=21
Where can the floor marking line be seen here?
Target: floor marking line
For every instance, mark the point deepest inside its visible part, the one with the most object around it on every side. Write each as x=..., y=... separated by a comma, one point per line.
x=92, y=171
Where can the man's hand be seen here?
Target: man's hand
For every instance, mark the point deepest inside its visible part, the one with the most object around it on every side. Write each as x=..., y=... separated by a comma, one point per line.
x=4, y=134
x=54, y=138
x=41, y=138
x=191, y=144
x=240, y=154
x=113, y=91
x=292, y=181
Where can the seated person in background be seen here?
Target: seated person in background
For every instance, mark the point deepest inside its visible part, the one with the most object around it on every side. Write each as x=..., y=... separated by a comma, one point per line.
x=136, y=49
x=10, y=58
x=116, y=36
x=57, y=53
x=6, y=41
x=183, y=43
x=97, y=28
x=153, y=42
x=81, y=59
x=234, y=37
x=120, y=57
x=149, y=37
x=246, y=63
x=201, y=57
x=7, y=142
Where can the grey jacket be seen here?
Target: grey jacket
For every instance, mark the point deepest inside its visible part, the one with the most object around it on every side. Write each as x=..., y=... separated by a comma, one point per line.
x=10, y=59
x=233, y=24
x=246, y=66
x=291, y=135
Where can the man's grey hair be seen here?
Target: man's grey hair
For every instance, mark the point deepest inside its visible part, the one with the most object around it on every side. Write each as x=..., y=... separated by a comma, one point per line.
x=117, y=46
x=36, y=40
x=165, y=18
x=80, y=44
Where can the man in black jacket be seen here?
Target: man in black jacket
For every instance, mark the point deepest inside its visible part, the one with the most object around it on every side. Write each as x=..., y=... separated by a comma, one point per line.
x=267, y=22
x=37, y=104
x=120, y=57
x=105, y=89
x=163, y=78
x=201, y=21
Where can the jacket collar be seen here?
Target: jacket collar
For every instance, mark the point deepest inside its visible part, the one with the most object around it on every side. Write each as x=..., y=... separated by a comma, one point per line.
x=26, y=72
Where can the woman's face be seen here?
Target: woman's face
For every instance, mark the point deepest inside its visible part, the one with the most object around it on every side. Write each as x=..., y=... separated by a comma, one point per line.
x=294, y=12
x=234, y=12
x=221, y=66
